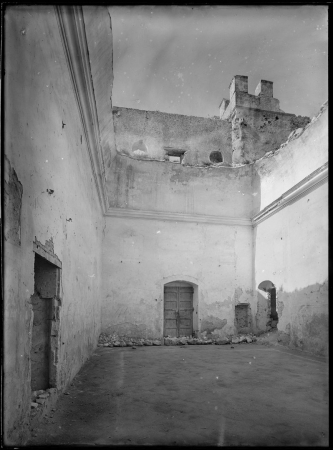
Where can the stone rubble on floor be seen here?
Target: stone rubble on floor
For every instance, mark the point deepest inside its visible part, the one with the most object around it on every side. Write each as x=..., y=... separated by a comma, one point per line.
x=39, y=397
x=114, y=340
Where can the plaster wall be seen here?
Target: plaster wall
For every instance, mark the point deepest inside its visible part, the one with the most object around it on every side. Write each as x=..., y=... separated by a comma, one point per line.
x=140, y=256
x=198, y=136
x=291, y=250
x=291, y=246
x=170, y=187
x=98, y=28
x=291, y=163
x=50, y=196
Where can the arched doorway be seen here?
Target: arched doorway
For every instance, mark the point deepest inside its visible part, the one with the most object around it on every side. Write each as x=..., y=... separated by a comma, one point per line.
x=178, y=309
x=268, y=287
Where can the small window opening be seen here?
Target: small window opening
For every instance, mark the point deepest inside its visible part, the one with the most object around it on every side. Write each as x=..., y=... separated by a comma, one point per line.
x=216, y=157
x=175, y=155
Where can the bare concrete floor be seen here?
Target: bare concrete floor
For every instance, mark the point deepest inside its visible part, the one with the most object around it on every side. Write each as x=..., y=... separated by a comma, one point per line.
x=193, y=395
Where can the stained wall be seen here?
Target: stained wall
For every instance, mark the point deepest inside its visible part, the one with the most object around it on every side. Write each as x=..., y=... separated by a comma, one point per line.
x=50, y=196
x=140, y=256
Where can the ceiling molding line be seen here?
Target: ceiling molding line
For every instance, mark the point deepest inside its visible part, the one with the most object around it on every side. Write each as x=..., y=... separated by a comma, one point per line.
x=176, y=217
x=304, y=187
x=73, y=36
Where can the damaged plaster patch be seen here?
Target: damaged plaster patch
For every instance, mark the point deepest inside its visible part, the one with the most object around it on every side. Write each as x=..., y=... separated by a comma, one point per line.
x=279, y=307
x=211, y=323
x=302, y=125
x=13, y=205
x=309, y=331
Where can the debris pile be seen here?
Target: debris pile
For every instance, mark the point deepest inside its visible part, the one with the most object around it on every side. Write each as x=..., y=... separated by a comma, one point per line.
x=38, y=398
x=238, y=339
x=114, y=340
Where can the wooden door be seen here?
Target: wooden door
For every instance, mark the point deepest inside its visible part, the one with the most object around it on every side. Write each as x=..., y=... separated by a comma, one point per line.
x=178, y=311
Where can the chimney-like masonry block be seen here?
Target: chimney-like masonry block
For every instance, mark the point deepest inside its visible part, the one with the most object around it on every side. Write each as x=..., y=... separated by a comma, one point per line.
x=264, y=88
x=239, y=83
x=259, y=125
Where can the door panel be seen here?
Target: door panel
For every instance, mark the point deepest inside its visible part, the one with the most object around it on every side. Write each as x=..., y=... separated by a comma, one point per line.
x=170, y=311
x=178, y=311
x=185, y=305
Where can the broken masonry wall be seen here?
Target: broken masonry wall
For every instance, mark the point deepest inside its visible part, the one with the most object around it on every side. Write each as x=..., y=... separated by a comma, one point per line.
x=291, y=246
x=256, y=132
x=50, y=196
x=198, y=136
x=169, y=187
x=140, y=256
x=306, y=150
x=291, y=250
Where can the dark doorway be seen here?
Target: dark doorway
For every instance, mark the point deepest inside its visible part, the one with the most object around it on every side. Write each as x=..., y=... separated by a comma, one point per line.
x=178, y=309
x=274, y=315
x=45, y=290
x=273, y=318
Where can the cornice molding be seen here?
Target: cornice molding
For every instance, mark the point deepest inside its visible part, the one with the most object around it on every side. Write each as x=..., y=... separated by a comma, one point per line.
x=308, y=184
x=73, y=36
x=176, y=217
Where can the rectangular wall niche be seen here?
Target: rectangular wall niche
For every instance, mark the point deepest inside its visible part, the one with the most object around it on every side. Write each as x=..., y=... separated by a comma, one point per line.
x=46, y=316
x=175, y=155
x=242, y=316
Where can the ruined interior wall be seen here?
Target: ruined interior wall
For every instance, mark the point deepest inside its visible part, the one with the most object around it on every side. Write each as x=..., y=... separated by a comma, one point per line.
x=291, y=246
x=291, y=250
x=169, y=187
x=256, y=132
x=291, y=163
x=50, y=195
x=140, y=256
x=199, y=136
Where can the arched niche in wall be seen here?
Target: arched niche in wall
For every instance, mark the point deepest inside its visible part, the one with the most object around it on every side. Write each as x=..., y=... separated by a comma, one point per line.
x=139, y=148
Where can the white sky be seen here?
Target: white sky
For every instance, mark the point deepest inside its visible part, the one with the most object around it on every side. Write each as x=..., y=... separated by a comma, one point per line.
x=180, y=59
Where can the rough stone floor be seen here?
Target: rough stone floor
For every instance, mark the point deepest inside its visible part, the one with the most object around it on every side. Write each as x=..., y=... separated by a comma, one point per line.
x=193, y=395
